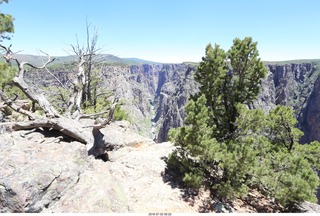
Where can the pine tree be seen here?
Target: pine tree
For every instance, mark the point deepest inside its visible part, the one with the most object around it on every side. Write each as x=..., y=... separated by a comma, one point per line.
x=227, y=79
x=6, y=24
x=229, y=147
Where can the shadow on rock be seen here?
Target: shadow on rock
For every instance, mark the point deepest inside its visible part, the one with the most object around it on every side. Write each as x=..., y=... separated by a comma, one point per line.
x=199, y=198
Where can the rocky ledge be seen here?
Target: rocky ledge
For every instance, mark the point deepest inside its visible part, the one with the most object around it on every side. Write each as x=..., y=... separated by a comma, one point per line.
x=45, y=173
x=42, y=171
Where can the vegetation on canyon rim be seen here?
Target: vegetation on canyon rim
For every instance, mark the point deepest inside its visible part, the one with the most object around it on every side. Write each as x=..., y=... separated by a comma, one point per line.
x=228, y=146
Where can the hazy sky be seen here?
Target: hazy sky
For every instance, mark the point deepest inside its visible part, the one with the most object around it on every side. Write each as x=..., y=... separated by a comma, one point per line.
x=168, y=30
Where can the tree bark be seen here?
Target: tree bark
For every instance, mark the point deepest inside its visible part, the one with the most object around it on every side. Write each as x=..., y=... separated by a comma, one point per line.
x=67, y=126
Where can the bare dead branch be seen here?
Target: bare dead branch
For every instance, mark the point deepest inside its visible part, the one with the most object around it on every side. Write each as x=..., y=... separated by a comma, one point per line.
x=8, y=55
x=10, y=102
x=83, y=116
x=3, y=105
x=32, y=93
x=44, y=64
x=56, y=78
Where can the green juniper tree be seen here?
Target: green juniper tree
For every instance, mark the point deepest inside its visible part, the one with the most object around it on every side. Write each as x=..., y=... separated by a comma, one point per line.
x=6, y=71
x=227, y=79
x=228, y=146
x=6, y=24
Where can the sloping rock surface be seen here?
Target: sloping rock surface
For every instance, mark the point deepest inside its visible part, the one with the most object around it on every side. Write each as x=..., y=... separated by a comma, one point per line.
x=308, y=207
x=41, y=174
x=139, y=168
x=45, y=172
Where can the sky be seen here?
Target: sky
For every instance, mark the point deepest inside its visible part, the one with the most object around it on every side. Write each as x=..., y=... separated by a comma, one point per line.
x=170, y=31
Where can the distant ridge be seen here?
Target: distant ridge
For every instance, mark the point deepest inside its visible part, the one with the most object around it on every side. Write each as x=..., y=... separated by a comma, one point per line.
x=114, y=60
x=140, y=61
x=296, y=61
x=105, y=58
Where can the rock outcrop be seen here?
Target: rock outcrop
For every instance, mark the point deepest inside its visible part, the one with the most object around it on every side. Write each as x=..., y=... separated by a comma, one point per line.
x=139, y=169
x=294, y=85
x=41, y=174
x=45, y=173
x=308, y=207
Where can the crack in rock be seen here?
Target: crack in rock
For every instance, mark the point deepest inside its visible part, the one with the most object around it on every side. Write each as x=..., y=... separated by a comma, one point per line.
x=47, y=187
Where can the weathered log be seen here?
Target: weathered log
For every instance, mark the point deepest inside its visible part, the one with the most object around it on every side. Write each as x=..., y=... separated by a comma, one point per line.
x=93, y=138
x=66, y=126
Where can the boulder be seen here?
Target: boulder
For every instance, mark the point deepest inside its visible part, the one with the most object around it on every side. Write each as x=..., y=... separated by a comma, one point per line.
x=119, y=134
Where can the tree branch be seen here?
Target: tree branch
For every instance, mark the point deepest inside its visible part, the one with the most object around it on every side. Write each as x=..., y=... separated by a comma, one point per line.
x=31, y=93
x=93, y=115
x=19, y=109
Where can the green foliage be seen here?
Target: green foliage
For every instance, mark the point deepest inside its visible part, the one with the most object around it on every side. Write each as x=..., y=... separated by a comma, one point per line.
x=101, y=104
x=282, y=127
x=227, y=79
x=310, y=152
x=6, y=24
x=288, y=177
x=120, y=114
x=7, y=74
x=228, y=147
x=247, y=70
x=193, y=140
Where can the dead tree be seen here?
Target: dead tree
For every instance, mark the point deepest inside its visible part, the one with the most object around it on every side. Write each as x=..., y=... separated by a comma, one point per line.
x=86, y=59
x=68, y=123
x=78, y=85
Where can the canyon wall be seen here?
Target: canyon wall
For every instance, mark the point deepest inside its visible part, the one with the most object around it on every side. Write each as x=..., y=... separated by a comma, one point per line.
x=154, y=94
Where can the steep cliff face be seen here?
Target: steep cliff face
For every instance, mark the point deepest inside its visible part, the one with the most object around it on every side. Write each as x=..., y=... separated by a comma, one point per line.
x=176, y=84
x=310, y=115
x=294, y=85
x=154, y=95
x=290, y=84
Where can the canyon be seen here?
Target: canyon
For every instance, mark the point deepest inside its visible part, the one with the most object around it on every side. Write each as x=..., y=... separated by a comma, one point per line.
x=45, y=171
x=154, y=95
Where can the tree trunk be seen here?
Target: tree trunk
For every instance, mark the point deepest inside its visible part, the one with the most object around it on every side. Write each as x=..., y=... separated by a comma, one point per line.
x=67, y=126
